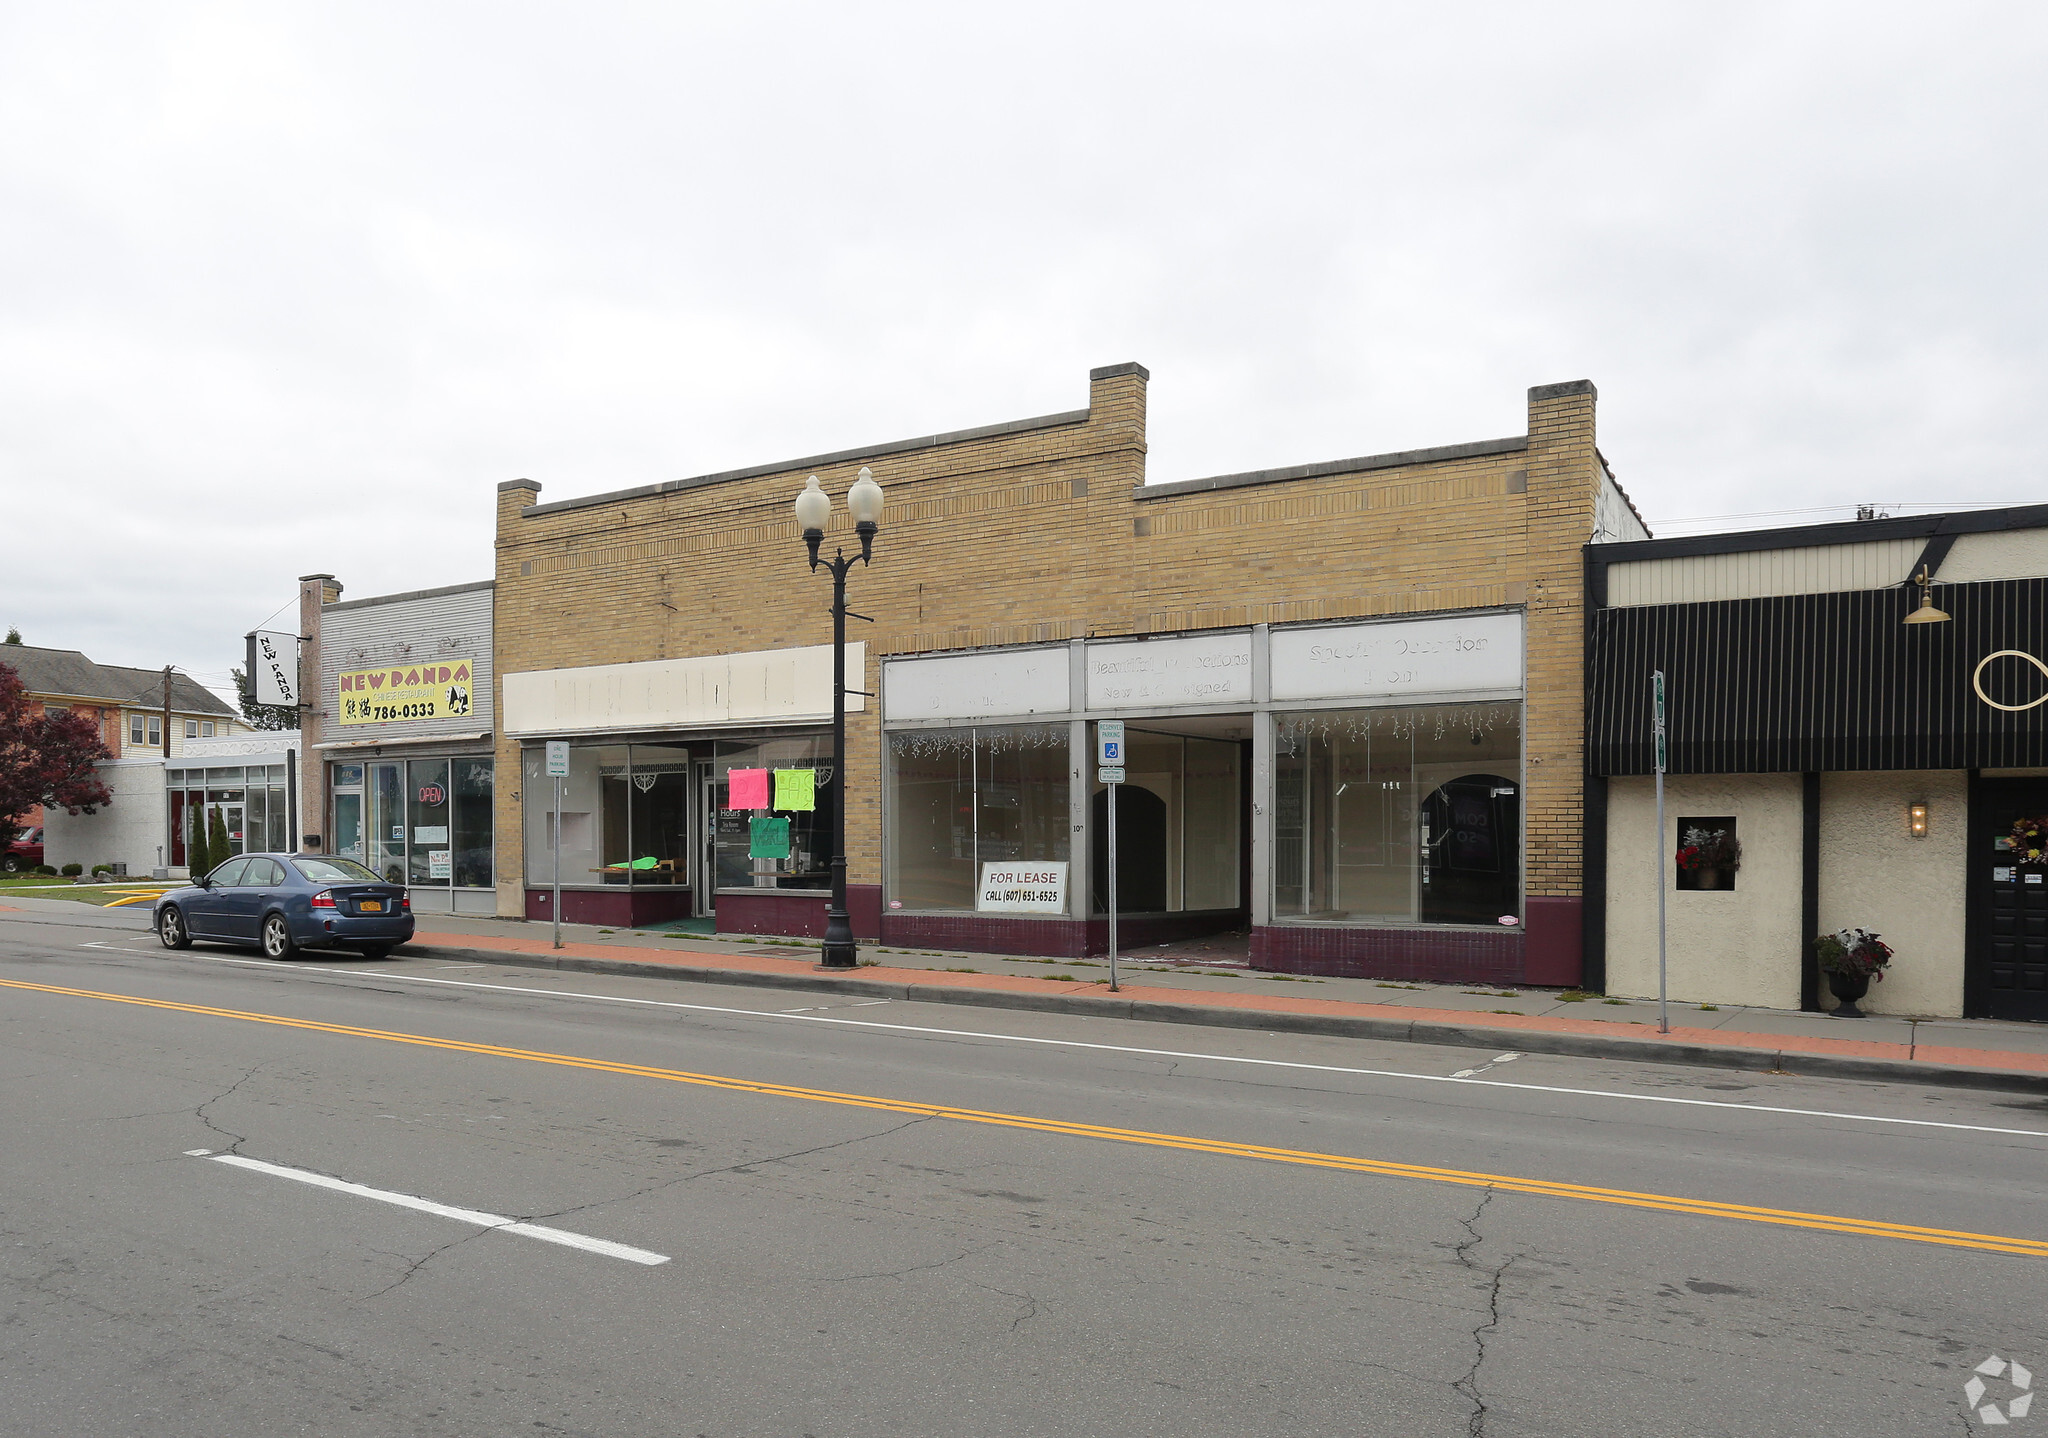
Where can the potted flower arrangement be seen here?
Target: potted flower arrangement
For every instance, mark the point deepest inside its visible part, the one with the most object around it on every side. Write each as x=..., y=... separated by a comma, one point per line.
x=1853, y=959
x=1709, y=855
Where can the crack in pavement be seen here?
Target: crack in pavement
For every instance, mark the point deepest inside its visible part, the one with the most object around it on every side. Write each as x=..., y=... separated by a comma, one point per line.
x=1021, y=1319
x=416, y=1264
x=749, y=1163
x=201, y=1114
x=1475, y=1424
x=914, y=1268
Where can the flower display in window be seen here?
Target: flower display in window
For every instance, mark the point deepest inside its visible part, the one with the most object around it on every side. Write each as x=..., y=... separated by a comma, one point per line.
x=1709, y=849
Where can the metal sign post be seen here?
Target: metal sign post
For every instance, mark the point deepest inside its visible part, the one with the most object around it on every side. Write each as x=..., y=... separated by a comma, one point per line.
x=1662, y=850
x=558, y=767
x=1109, y=755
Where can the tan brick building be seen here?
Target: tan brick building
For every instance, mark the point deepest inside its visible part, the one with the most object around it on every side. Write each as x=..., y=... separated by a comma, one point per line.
x=1352, y=692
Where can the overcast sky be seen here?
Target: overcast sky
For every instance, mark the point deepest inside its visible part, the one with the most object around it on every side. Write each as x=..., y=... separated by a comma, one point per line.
x=292, y=288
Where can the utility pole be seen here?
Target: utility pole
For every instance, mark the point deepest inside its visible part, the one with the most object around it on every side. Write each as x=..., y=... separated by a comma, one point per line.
x=167, y=711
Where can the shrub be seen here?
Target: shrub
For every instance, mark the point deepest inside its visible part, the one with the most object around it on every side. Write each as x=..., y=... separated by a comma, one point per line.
x=46, y=869
x=72, y=871
x=99, y=869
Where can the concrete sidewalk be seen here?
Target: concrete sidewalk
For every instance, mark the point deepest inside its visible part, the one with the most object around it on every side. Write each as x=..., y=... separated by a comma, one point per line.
x=1976, y=1053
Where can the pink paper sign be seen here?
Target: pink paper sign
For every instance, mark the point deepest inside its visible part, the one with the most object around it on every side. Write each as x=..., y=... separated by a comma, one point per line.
x=749, y=789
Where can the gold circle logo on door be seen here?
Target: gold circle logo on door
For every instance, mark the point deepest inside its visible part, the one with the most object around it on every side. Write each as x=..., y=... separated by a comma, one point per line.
x=1977, y=680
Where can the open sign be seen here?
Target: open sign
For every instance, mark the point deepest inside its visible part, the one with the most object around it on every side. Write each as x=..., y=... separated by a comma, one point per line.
x=433, y=794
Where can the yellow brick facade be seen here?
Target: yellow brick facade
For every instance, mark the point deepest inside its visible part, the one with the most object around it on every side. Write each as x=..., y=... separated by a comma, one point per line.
x=1037, y=532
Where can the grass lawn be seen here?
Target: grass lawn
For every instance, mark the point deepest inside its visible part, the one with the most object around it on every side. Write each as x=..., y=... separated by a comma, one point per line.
x=137, y=895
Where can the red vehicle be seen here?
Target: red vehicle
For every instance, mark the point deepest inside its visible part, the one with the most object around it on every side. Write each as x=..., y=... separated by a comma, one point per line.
x=26, y=852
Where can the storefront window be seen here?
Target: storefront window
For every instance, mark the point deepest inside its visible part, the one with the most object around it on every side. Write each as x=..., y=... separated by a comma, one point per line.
x=1178, y=826
x=806, y=864
x=471, y=786
x=385, y=791
x=1405, y=815
x=961, y=798
x=660, y=814
x=656, y=815
x=428, y=822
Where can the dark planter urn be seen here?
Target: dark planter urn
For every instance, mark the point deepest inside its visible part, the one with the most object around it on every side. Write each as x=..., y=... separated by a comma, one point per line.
x=1848, y=988
x=1707, y=876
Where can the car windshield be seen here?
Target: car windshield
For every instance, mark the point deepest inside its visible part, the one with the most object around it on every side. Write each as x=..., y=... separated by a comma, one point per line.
x=328, y=871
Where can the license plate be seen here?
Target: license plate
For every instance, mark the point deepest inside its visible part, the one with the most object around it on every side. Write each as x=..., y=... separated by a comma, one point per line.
x=371, y=906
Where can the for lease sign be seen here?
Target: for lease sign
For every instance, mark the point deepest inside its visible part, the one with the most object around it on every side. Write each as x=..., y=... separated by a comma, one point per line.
x=1033, y=888
x=412, y=691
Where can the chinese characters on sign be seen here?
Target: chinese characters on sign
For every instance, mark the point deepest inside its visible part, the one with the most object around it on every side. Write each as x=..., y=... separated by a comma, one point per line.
x=414, y=691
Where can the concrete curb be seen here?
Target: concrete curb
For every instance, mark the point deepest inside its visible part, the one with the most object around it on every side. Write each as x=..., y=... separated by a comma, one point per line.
x=1589, y=1046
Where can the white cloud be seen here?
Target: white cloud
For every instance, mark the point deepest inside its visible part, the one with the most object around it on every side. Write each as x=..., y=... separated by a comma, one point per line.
x=292, y=287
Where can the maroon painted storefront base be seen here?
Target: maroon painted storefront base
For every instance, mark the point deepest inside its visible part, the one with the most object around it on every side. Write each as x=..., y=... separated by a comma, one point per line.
x=1555, y=956
x=789, y=914
x=1544, y=952
x=619, y=907
x=1459, y=956
x=1051, y=938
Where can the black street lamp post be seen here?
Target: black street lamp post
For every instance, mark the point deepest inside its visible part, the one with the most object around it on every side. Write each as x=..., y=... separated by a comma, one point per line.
x=813, y=512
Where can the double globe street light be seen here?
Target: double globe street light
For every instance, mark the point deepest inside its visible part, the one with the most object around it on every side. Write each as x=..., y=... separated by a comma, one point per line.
x=813, y=513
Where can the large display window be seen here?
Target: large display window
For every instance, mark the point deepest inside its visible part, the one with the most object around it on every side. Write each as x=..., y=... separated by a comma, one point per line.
x=250, y=800
x=963, y=798
x=659, y=815
x=1399, y=815
x=750, y=848
x=425, y=823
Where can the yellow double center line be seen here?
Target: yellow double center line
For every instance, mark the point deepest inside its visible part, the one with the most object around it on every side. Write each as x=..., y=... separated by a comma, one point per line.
x=1505, y=1183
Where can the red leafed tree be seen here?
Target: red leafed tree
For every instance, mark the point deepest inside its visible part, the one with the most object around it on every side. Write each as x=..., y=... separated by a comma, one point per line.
x=45, y=759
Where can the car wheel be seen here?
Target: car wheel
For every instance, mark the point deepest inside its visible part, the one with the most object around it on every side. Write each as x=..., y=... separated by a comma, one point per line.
x=11, y=864
x=170, y=928
x=277, y=938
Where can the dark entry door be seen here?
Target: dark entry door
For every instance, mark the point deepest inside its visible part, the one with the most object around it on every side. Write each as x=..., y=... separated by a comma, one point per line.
x=2006, y=974
x=1140, y=851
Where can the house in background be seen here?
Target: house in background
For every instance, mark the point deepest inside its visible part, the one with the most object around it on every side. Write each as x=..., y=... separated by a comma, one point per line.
x=129, y=708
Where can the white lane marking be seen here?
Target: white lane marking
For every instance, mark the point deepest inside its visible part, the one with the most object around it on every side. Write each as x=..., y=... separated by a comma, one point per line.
x=120, y=948
x=812, y=1018
x=461, y=1215
x=1496, y=1059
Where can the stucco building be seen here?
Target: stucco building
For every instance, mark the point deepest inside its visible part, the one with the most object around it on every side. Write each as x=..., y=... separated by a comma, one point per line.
x=1871, y=769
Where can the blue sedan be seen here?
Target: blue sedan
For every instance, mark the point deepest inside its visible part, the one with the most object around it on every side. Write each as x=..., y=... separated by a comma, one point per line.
x=286, y=902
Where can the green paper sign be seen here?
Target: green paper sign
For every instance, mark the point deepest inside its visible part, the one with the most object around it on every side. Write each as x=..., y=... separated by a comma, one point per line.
x=768, y=837
x=796, y=789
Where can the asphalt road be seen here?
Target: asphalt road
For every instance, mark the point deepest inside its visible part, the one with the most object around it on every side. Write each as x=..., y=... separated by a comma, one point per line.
x=894, y=1219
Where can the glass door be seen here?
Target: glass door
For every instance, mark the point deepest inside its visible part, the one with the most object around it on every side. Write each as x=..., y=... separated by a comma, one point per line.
x=385, y=839
x=710, y=799
x=348, y=824
x=231, y=815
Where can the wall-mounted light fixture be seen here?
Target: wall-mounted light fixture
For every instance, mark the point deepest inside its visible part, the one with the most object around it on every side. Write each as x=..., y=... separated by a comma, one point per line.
x=1916, y=820
x=1926, y=613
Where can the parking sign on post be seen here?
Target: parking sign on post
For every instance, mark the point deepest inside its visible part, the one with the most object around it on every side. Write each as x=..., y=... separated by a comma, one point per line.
x=558, y=769
x=1109, y=759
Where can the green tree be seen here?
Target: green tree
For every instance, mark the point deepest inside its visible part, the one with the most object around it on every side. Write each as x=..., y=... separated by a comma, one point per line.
x=195, y=840
x=13, y=635
x=218, y=850
x=261, y=716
